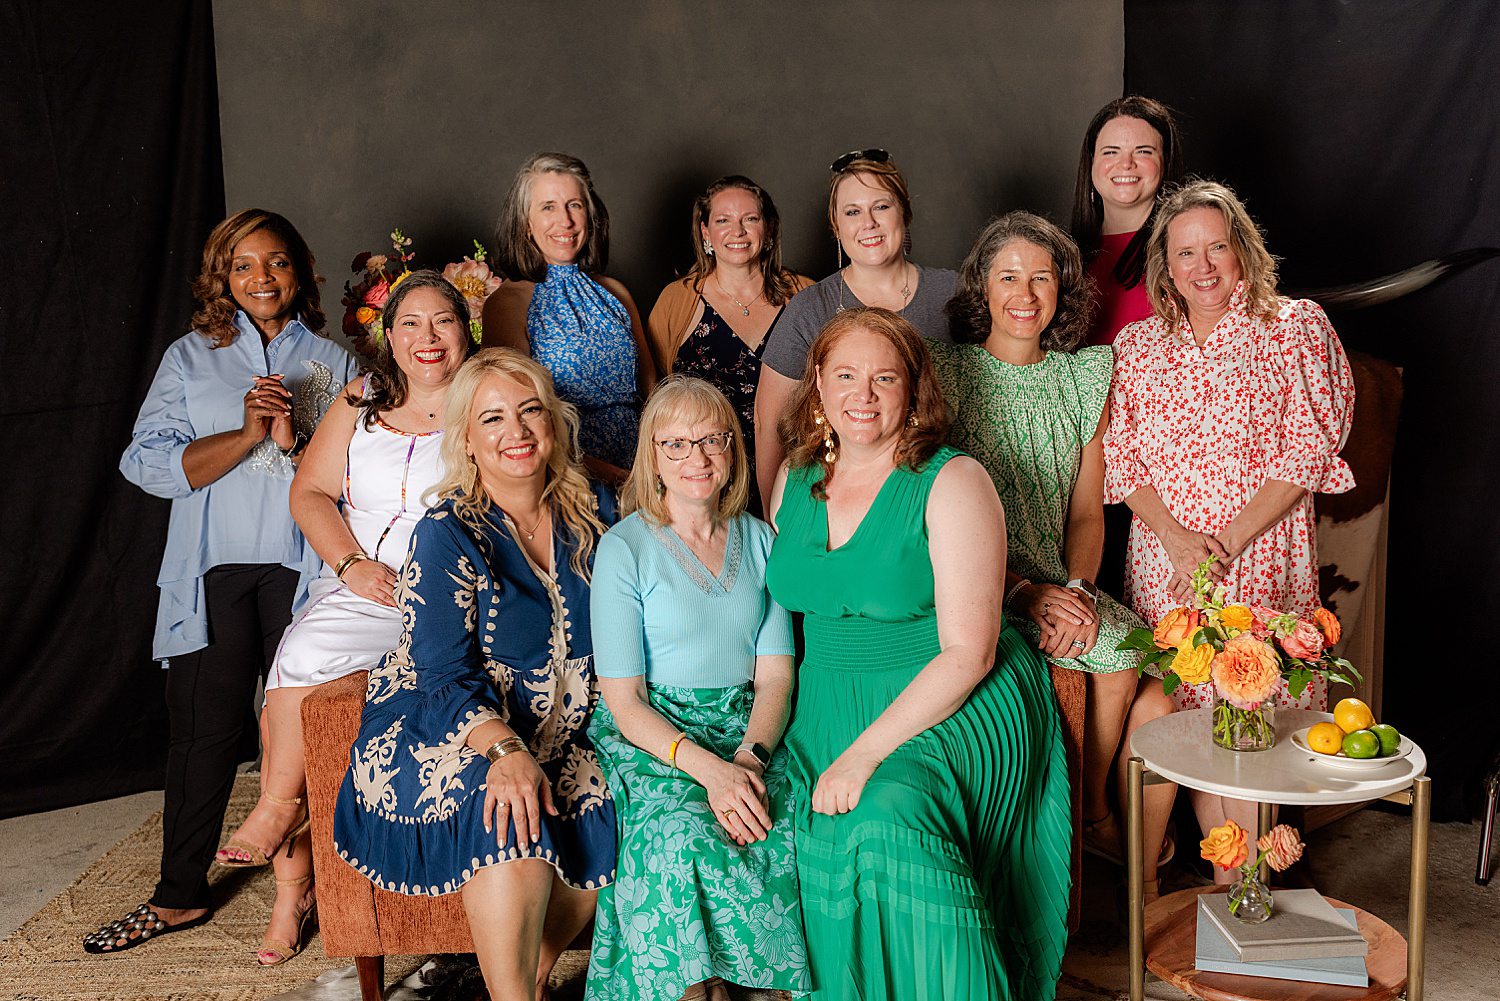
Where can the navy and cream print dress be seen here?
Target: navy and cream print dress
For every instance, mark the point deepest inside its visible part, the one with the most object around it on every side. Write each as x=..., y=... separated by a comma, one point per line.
x=486, y=634
x=582, y=334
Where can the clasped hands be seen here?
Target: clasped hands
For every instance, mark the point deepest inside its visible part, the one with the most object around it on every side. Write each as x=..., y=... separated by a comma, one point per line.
x=737, y=795
x=268, y=411
x=1187, y=550
x=1067, y=618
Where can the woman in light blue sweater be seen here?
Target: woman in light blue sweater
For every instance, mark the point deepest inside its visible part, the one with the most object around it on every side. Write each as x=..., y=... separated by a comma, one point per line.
x=694, y=662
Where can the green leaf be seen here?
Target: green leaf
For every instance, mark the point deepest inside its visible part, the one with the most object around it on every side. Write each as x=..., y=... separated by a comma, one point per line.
x=1169, y=683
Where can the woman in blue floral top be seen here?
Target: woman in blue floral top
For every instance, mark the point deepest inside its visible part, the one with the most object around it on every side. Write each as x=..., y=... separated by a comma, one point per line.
x=559, y=307
x=472, y=771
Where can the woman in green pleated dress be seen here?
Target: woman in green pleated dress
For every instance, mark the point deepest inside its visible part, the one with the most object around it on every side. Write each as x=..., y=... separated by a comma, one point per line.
x=1033, y=412
x=930, y=787
x=695, y=666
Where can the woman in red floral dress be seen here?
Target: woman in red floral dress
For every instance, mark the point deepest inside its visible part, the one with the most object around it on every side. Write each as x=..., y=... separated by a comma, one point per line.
x=1228, y=410
x=1227, y=413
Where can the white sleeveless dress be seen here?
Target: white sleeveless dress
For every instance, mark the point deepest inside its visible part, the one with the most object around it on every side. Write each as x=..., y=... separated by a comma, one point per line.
x=386, y=476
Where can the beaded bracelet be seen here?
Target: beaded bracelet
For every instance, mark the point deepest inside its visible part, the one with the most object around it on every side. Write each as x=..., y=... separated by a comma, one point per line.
x=672, y=750
x=1011, y=594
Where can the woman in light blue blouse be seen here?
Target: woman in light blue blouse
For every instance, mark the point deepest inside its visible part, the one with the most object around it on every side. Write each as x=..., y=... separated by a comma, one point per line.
x=557, y=306
x=219, y=435
x=695, y=668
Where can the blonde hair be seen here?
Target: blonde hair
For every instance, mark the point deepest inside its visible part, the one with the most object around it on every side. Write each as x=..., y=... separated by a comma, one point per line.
x=692, y=401
x=567, y=490
x=1257, y=266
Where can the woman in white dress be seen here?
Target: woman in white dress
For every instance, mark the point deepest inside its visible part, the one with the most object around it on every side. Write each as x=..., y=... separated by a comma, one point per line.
x=358, y=495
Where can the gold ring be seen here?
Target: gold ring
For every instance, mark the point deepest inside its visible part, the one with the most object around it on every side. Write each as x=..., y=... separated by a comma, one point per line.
x=728, y=814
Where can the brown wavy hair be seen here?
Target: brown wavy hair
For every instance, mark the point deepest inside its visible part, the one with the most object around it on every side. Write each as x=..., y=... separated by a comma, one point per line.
x=214, y=315
x=385, y=385
x=692, y=401
x=1257, y=266
x=567, y=490
x=969, y=309
x=802, y=436
x=1088, y=206
x=777, y=283
x=518, y=258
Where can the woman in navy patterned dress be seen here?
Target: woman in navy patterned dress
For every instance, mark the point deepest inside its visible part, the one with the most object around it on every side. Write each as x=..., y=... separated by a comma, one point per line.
x=558, y=306
x=472, y=771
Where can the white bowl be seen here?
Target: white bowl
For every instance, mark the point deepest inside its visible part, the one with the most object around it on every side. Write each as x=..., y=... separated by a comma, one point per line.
x=1339, y=760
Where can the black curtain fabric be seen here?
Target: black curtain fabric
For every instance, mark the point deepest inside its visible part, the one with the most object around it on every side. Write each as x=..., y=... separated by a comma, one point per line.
x=1363, y=138
x=111, y=178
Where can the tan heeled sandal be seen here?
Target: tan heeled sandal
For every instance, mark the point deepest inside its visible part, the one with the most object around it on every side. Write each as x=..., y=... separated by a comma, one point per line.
x=259, y=856
x=280, y=952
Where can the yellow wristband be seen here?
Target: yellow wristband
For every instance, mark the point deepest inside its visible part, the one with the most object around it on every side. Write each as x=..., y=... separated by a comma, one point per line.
x=672, y=749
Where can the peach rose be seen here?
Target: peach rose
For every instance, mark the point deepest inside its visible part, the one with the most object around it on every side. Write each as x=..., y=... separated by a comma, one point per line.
x=1192, y=662
x=365, y=315
x=1246, y=671
x=1328, y=624
x=1282, y=847
x=473, y=279
x=1261, y=616
x=377, y=294
x=1225, y=846
x=1176, y=627
x=1305, y=642
x=1237, y=617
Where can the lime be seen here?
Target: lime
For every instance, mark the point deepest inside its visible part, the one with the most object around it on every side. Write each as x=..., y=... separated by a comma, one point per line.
x=1361, y=744
x=1390, y=739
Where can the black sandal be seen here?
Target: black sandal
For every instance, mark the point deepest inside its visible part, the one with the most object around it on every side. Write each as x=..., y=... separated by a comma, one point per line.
x=140, y=925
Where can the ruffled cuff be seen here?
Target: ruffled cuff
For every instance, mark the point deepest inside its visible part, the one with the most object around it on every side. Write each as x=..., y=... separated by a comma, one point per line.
x=1312, y=471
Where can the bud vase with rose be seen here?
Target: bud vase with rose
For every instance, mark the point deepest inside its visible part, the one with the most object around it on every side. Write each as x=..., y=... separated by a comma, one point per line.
x=1251, y=654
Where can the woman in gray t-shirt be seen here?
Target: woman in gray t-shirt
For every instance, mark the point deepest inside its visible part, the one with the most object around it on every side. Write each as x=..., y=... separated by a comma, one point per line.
x=869, y=211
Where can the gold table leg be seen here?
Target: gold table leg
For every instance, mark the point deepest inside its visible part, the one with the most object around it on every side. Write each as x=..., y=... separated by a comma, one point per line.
x=1263, y=827
x=1416, y=919
x=1135, y=870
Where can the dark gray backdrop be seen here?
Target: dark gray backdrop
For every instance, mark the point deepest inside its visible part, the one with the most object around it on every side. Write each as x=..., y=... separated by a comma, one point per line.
x=352, y=119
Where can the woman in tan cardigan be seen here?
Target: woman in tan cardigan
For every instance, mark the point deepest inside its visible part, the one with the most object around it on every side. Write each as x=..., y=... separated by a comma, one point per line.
x=713, y=322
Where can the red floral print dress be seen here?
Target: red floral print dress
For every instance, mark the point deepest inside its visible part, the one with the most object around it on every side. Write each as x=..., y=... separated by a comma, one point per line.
x=1261, y=399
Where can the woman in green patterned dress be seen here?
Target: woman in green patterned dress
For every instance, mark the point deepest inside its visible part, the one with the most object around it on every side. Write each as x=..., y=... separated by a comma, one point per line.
x=695, y=666
x=927, y=765
x=1033, y=411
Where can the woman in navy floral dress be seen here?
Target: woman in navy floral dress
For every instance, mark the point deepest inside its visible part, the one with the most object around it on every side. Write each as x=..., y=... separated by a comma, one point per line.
x=472, y=771
x=558, y=306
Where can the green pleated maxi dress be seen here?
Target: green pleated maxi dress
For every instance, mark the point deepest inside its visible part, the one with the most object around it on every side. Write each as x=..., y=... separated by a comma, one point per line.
x=950, y=879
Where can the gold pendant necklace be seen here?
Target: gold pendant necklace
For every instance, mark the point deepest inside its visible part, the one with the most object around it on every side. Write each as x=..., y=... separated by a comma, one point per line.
x=531, y=534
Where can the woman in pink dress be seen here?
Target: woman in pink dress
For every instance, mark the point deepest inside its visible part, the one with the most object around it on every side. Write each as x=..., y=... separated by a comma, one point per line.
x=1227, y=413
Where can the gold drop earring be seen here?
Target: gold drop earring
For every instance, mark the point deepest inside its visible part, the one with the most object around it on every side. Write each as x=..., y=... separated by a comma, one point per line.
x=830, y=453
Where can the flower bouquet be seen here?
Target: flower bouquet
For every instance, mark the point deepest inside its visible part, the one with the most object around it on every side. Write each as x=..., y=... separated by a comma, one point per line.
x=379, y=274
x=1227, y=847
x=1248, y=652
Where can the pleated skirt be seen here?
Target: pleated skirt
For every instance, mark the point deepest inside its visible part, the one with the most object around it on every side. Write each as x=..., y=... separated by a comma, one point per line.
x=950, y=879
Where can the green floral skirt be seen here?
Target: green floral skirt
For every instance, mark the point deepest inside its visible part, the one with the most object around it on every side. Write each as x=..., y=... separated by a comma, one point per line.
x=688, y=903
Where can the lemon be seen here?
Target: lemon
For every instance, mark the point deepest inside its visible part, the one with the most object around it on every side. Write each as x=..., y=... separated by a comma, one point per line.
x=1390, y=739
x=1361, y=744
x=1352, y=714
x=1325, y=738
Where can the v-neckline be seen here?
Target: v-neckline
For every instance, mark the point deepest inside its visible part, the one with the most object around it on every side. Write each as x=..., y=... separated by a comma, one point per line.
x=752, y=352
x=548, y=576
x=827, y=533
x=682, y=552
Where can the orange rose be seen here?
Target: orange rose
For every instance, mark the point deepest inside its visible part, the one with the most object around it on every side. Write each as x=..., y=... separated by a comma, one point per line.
x=366, y=315
x=1225, y=846
x=1192, y=662
x=1328, y=624
x=1175, y=628
x=1237, y=617
x=1246, y=672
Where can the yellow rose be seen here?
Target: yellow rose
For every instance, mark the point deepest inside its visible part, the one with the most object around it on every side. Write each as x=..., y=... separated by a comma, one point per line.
x=1192, y=662
x=1236, y=617
x=1175, y=627
x=1225, y=846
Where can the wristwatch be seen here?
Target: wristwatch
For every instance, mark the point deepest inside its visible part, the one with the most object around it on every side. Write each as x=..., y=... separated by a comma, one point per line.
x=1086, y=586
x=755, y=751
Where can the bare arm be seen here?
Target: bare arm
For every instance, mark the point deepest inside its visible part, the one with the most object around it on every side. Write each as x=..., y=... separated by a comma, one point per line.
x=1269, y=505
x=966, y=533
x=504, y=317
x=772, y=395
x=645, y=368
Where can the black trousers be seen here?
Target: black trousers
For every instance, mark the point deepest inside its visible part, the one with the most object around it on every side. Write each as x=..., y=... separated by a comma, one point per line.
x=209, y=695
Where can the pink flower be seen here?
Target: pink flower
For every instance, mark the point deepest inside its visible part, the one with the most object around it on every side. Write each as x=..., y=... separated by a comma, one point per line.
x=1305, y=641
x=1260, y=626
x=474, y=280
x=1281, y=846
x=1246, y=672
x=377, y=294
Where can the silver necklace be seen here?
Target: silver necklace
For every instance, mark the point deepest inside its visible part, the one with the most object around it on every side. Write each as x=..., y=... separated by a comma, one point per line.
x=744, y=307
x=844, y=283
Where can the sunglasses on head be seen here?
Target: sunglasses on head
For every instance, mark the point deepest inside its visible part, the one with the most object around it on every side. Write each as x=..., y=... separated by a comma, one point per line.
x=875, y=155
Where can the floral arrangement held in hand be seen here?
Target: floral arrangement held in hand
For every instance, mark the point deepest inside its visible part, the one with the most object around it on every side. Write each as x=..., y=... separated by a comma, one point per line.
x=1228, y=848
x=379, y=275
x=1248, y=651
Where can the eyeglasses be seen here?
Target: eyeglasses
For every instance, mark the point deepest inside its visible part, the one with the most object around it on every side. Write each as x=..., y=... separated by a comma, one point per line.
x=678, y=449
x=875, y=155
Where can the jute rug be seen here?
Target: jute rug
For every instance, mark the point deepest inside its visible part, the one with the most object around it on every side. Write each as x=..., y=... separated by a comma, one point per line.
x=44, y=959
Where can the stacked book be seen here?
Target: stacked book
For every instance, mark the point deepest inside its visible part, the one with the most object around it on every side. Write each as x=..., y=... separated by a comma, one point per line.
x=1306, y=938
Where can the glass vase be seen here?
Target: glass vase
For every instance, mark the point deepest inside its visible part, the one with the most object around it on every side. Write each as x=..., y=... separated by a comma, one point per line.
x=1249, y=899
x=1244, y=729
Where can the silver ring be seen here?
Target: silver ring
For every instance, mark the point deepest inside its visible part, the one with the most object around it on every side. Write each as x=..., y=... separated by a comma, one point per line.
x=1079, y=644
